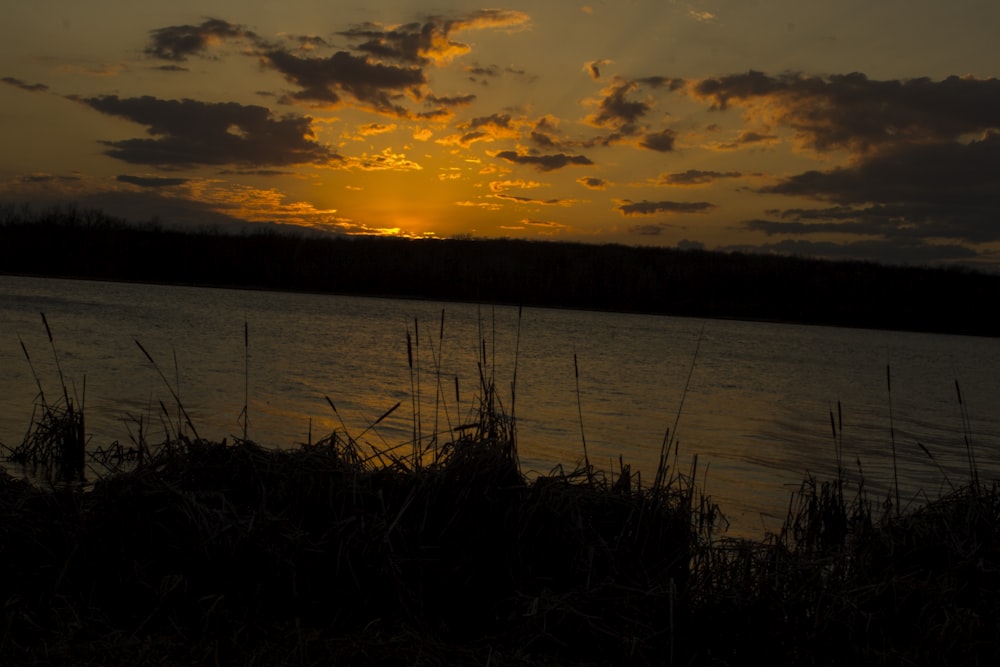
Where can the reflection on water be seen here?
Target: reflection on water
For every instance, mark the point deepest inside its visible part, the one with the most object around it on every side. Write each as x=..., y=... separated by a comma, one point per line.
x=756, y=411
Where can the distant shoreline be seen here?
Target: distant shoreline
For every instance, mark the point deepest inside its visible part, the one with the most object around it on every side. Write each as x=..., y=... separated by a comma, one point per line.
x=609, y=278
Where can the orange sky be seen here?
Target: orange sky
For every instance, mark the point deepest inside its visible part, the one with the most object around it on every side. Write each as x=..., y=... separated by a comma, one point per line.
x=836, y=129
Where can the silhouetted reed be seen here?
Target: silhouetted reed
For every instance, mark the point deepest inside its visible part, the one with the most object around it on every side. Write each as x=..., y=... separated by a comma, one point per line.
x=54, y=448
x=341, y=551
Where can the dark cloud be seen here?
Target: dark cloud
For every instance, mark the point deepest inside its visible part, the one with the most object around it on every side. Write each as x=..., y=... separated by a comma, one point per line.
x=467, y=139
x=189, y=132
x=385, y=66
x=544, y=162
x=619, y=111
x=616, y=110
x=593, y=183
x=662, y=142
x=439, y=114
x=747, y=138
x=924, y=154
x=851, y=111
x=452, y=101
x=669, y=83
x=544, y=141
x=669, y=207
x=593, y=68
x=530, y=200
x=696, y=177
x=488, y=71
x=431, y=40
x=943, y=190
x=326, y=79
x=181, y=41
x=486, y=128
x=545, y=134
x=151, y=181
x=23, y=85
x=502, y=121
x=953, y=172
x=411, y=43
x=899, y=221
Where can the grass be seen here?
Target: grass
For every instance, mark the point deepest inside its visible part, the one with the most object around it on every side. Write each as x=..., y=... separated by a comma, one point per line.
x=199, y=552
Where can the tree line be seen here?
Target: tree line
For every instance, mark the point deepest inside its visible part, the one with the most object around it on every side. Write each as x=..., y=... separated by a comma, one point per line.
x=68, y=242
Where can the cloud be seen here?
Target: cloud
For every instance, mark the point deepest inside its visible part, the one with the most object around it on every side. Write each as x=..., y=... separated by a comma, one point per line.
x=695, y=177
x=545, y=224
x=593, y=183
x=537, y=202
x=179, y=42
x=617, y=110
x=430, y=41
x=627, y=208
x=307, y=42
x=942, y=190
x=464, y=140
x=544, y=162
x=485, y=128
x=545, y=134
x=746, y=138
x=370, y=129
x=662, y=142
x=853, y=112
x=384, y=161
x=922, y=155
x=495, y=122
x=452, y=101
x=593, y=68
x=23, y=85
x=952, y=172
x=485, y=205
x=386, y=66
x=502, y=186
x=151, y=181
x=325, y=80
x=188, y=132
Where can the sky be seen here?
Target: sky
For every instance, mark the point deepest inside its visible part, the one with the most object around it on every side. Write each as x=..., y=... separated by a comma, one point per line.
x=839, y=129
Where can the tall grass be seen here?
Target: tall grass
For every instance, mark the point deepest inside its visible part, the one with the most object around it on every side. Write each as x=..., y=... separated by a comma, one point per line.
x=54, y=448
x=341, y=551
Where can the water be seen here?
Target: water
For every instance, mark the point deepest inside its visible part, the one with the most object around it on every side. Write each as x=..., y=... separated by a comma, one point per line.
x=751, y=400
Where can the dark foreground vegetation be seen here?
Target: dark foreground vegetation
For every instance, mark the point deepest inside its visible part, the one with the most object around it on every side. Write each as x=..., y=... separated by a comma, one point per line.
x=206, y=553
x=90, y=244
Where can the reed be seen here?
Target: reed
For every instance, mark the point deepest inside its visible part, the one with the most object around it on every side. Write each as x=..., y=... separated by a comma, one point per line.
x=54, y=447
x=343, y=552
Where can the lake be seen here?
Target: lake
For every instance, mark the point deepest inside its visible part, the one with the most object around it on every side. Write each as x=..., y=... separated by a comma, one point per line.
x=752, y=400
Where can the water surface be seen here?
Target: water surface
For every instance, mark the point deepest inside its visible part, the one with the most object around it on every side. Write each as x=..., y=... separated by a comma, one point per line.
x=752, y=400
